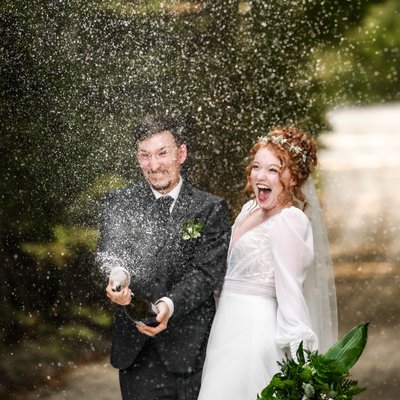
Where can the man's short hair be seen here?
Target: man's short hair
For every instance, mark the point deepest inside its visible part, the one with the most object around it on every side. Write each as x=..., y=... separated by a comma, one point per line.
x=153, y=124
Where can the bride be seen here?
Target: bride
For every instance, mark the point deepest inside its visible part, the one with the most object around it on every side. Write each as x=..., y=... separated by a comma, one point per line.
x=275, y=291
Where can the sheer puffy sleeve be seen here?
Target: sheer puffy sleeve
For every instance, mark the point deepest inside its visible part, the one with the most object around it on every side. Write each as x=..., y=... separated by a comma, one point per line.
x=246, y=208
x=292, y=249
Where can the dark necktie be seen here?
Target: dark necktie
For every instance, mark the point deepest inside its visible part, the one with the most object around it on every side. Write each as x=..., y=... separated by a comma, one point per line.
x=163, y=205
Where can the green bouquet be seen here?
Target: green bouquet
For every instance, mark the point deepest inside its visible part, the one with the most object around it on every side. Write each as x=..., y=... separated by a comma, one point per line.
x=320, y=376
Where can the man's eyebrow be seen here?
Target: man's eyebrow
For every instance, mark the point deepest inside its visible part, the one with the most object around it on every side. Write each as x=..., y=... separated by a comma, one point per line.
x=160, y=149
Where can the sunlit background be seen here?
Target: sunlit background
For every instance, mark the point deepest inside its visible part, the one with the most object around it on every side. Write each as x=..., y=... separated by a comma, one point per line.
x=76, y=76
x=360, y=170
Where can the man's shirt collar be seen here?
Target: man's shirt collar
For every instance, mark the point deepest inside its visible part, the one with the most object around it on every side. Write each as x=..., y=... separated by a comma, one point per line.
x=174, y=193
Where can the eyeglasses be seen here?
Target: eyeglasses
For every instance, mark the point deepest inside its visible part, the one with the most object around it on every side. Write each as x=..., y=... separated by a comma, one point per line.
x=162, y=154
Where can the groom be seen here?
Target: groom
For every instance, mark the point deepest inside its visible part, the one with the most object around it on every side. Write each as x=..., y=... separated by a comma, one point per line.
x=172, y=239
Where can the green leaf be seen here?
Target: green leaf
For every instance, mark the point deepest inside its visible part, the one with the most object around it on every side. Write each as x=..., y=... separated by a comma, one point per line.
x=348, y=349
x=300, y=353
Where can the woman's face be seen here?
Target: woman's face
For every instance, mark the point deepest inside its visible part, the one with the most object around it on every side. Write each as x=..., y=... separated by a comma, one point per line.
x=269, y=179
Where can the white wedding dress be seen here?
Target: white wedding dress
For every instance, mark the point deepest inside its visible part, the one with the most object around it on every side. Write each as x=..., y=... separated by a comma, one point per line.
x=261, y=310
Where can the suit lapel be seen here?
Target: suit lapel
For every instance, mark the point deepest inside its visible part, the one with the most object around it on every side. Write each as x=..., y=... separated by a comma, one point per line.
x=156, y=237
x=146, y=196
x=149, y=238
x=183, y=203
x=157, y=234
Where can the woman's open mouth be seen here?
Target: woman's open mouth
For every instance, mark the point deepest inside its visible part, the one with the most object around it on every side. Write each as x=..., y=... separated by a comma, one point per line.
x=263, y=192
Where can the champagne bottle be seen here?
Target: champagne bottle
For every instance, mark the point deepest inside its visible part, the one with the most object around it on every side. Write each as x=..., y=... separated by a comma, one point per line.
x=139, y=310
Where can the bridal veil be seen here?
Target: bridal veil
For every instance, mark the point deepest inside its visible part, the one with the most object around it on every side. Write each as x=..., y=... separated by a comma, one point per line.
x=319, y=286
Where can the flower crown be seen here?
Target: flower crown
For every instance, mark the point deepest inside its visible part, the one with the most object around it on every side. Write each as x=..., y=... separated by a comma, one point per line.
x=279, y=139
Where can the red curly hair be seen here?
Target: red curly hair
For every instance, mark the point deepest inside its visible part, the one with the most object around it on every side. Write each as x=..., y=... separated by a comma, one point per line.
x=300, y=164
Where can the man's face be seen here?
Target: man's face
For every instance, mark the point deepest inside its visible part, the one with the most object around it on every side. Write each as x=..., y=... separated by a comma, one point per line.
x=160, y=159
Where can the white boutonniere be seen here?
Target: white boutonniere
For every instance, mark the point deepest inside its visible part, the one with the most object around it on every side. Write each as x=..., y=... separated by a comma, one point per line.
x=191, y=229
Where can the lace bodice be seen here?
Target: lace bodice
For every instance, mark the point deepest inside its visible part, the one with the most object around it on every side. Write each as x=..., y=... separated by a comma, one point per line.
x=250, y=262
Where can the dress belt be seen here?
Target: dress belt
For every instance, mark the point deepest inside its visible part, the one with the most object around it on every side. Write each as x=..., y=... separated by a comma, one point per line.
x=248, y=287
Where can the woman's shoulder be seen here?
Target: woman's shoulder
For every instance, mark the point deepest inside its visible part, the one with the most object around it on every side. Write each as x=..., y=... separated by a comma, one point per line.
x=294, y=212
x=295, y=218
x=248, y=206
x=246, y=209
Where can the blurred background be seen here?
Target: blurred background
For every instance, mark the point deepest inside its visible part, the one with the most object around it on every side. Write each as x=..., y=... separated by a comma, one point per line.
x=76, y=76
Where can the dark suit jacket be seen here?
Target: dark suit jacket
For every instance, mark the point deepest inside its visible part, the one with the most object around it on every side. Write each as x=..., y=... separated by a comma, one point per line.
x=162, y=263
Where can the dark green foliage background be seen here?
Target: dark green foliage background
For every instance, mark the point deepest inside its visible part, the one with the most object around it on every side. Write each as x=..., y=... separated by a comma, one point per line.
x=76, y=76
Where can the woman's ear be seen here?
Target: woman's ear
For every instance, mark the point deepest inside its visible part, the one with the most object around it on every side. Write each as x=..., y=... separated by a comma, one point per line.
x=293, y=183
